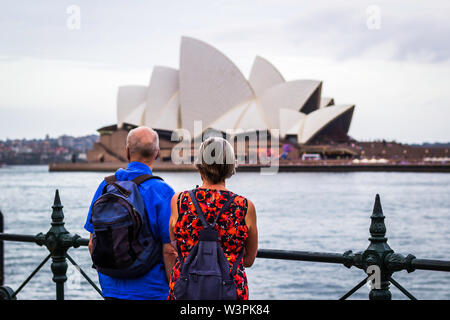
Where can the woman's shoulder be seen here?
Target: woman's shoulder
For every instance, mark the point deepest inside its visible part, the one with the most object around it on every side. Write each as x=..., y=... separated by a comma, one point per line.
x=185, y=192
x=176, y=195
x=241, y=200
x=238, y=198
x=184, y=195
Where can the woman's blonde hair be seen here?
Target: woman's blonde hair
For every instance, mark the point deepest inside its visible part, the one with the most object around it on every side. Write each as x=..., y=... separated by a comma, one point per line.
x=216, y=161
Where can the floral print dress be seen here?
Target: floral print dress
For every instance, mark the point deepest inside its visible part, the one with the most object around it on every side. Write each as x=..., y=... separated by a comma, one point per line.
x=231, y=227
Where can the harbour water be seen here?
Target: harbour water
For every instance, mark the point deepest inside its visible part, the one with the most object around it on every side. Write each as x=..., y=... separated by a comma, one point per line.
x=320, y=211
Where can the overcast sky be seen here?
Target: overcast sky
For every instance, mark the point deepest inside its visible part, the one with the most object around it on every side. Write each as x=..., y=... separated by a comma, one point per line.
x=390, y=58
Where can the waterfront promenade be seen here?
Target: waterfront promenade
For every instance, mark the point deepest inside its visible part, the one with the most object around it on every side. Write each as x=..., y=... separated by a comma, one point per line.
x=284, y=166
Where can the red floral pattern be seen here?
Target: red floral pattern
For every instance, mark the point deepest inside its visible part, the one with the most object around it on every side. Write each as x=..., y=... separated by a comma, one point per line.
x=231, y=227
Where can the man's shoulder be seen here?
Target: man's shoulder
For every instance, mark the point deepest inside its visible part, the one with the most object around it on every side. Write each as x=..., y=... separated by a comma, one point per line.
x=100, y=188
x=158, y=187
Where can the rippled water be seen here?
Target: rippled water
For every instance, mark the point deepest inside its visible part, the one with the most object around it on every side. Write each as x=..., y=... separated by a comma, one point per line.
x=326, y=212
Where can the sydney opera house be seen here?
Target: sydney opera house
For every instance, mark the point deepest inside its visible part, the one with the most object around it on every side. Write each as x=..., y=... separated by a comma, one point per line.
x=209, y=87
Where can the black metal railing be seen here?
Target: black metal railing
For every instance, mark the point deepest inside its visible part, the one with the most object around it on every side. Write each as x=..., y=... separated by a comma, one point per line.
x=379, y=262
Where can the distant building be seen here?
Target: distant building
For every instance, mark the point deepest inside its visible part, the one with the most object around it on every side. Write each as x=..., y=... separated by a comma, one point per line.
x=44, y=151
x=210, y=88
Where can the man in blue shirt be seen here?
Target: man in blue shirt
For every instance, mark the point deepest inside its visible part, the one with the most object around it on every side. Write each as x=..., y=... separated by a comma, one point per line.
x=142, y=150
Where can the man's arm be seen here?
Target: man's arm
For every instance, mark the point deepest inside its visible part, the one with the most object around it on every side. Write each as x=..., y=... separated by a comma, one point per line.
x=90, y=244
x=164, y=213
x=171, y=253
x=88, y=225
x=170, y=256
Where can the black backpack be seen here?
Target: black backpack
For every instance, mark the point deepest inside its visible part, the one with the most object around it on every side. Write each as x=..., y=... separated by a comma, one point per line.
x=206, y=275
x=123, y=243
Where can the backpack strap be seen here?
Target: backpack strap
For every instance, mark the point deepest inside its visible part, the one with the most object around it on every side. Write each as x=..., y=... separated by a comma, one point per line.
x=206, y=224
x=180, y=256
x=223, y=209
x=200, y=211
x=197, y=208
x=110, y=179
x=139, y=180
x=236, y=263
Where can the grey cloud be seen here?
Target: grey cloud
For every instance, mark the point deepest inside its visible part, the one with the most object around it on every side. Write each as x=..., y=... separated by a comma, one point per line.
x=129, y=33
x=343, y=32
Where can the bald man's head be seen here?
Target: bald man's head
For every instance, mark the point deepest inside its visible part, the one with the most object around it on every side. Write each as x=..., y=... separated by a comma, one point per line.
x=142, y=144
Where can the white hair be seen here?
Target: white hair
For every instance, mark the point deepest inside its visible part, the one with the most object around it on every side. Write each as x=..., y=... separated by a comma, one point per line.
x=142, y=145
x=216, y=159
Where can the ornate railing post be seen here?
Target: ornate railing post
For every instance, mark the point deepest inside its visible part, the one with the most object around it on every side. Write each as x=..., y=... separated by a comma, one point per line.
x=379, y=261
x=376, y=253
x=58, y=240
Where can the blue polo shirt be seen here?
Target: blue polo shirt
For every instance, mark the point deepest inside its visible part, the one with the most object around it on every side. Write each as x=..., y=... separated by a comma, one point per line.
x=157, y=195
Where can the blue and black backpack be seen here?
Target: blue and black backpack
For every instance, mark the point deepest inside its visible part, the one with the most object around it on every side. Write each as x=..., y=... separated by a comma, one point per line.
x=123, y=245
x=206, y=273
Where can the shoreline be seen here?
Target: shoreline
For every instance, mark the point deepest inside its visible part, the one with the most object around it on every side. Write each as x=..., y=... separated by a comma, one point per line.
x=288, y=167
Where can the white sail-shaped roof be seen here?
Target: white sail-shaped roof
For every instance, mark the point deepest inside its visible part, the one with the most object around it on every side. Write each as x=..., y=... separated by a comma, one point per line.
x=264, y=76
x=288, y=95
x=137, y=116
x=210, y=88
x=130, y=102
x=253, y=118
x=230, y=119
x=163, y=86
x=168, y=116
x=291, y=122
x=210, y=84
x=325, y=102
x=317, y=120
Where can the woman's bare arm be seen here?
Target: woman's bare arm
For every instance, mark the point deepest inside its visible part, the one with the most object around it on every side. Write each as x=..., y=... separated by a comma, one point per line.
x=251, y=246
x=173, y=215
x=170, y=253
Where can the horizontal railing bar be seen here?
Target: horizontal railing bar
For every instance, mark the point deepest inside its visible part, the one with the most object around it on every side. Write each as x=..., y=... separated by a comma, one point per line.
x=435, y=265
x=31, y=238
x=303, y=256
x=17, y=237
x=82, y=242
x=338, y=258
